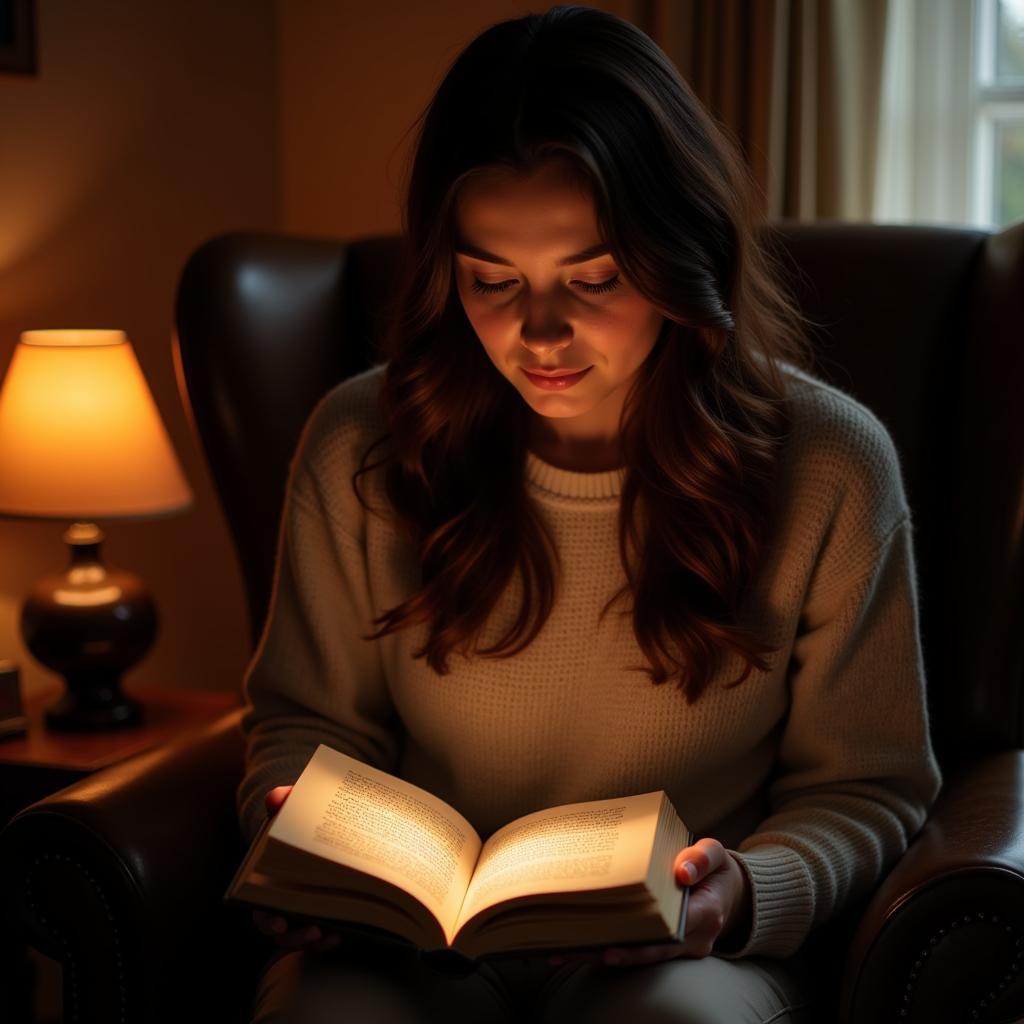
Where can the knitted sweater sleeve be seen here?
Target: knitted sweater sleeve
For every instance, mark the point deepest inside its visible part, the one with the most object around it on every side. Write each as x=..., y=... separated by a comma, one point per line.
x=312, y=679
x=856, y=773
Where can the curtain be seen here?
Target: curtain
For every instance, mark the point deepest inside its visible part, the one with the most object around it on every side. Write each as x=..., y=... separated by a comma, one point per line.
x=926, y=127
x=796, y=84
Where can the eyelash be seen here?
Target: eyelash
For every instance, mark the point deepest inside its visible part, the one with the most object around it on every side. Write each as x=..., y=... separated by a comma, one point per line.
x=490, y=289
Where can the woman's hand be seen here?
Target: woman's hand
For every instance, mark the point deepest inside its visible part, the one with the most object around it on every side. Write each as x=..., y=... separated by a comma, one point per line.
x=277, y=926
x=720, y=900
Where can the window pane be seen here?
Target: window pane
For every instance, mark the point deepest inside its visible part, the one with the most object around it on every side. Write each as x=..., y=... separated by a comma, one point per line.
x=1009, y=166
x=1010, y=41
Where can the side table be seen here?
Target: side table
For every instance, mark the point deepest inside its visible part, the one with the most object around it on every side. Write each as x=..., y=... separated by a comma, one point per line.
x=38, y=763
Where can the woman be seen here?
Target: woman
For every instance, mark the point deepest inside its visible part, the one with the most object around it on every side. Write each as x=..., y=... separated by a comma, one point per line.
x=573, y=210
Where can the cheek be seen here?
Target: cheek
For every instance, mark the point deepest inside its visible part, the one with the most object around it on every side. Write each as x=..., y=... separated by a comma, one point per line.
x=488, y=322
x=630, y=336
x=626, y=326
x=492, y=331
x=646, y=324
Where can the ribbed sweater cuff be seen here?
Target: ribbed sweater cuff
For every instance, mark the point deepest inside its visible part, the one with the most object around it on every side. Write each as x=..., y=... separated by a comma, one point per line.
x=259, y=780
x=783, y=903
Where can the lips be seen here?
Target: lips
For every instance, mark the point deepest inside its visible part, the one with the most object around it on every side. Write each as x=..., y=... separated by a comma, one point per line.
x=555, y=373
x=556, y=382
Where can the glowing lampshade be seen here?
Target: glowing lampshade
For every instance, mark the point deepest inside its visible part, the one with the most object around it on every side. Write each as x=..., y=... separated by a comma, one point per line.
x=80, y=434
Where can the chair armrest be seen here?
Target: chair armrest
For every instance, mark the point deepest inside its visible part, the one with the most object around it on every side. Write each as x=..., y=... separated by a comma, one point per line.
x=943, y=936
x=120, y=875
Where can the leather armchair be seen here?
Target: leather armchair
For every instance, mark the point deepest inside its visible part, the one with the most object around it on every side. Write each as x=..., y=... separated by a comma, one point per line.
x=119, y=877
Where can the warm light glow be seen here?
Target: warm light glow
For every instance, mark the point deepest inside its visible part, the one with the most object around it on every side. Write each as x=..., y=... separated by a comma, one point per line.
x=80, y=434
x=87, y=598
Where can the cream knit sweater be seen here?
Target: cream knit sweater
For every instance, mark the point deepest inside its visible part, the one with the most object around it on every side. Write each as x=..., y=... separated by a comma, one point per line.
x=816, y=774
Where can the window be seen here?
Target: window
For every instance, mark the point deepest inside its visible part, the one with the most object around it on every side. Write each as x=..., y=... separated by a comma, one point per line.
x=997, y=104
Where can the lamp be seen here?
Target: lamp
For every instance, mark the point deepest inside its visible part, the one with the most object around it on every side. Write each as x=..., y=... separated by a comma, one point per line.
x=81, y=438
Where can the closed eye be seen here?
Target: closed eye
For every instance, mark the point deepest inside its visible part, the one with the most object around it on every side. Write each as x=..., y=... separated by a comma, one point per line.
x=483, y=288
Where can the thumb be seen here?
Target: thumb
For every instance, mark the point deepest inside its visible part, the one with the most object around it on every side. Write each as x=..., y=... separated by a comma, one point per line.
x=685, y=870
x=276, y=797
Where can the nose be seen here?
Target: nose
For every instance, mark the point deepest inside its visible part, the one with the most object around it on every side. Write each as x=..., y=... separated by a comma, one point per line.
x=546, y=333
x=542, y=347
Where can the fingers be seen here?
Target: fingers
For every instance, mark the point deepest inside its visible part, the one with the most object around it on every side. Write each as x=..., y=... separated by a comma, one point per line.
x=309, y=937
x=303, y=937
x=329, y=941
x=269, y=924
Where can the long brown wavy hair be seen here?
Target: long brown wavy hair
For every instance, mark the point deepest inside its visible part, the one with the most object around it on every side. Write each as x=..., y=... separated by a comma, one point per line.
x=706, y=416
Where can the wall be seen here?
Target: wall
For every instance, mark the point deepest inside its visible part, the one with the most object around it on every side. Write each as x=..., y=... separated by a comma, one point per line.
x=353, y=79
x=148, y=129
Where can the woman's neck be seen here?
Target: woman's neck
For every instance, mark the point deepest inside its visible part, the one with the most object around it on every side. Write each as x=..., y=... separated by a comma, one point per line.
x=583, y=457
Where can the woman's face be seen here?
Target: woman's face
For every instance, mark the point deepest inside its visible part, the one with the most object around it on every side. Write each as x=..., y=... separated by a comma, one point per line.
x=534, y=311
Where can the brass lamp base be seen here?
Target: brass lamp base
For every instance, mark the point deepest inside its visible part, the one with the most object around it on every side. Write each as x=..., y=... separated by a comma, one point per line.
x=89, y=624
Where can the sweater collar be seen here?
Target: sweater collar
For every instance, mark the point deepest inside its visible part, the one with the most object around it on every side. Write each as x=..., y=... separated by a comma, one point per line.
x=570, y=484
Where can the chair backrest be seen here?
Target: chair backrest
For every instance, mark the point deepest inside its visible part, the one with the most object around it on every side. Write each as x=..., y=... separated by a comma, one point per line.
x=921, y=324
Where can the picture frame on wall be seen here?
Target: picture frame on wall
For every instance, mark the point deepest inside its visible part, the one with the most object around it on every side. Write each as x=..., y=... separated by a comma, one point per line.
x=18, y=37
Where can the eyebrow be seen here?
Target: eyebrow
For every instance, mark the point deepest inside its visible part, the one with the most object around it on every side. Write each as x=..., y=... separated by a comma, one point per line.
x=465, y=249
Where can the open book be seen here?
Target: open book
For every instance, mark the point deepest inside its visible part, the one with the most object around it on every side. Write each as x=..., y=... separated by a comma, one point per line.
x=356, y=846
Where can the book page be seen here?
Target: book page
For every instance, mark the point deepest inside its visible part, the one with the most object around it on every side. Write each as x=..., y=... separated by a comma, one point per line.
x=597, y=844
x=355, y=814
